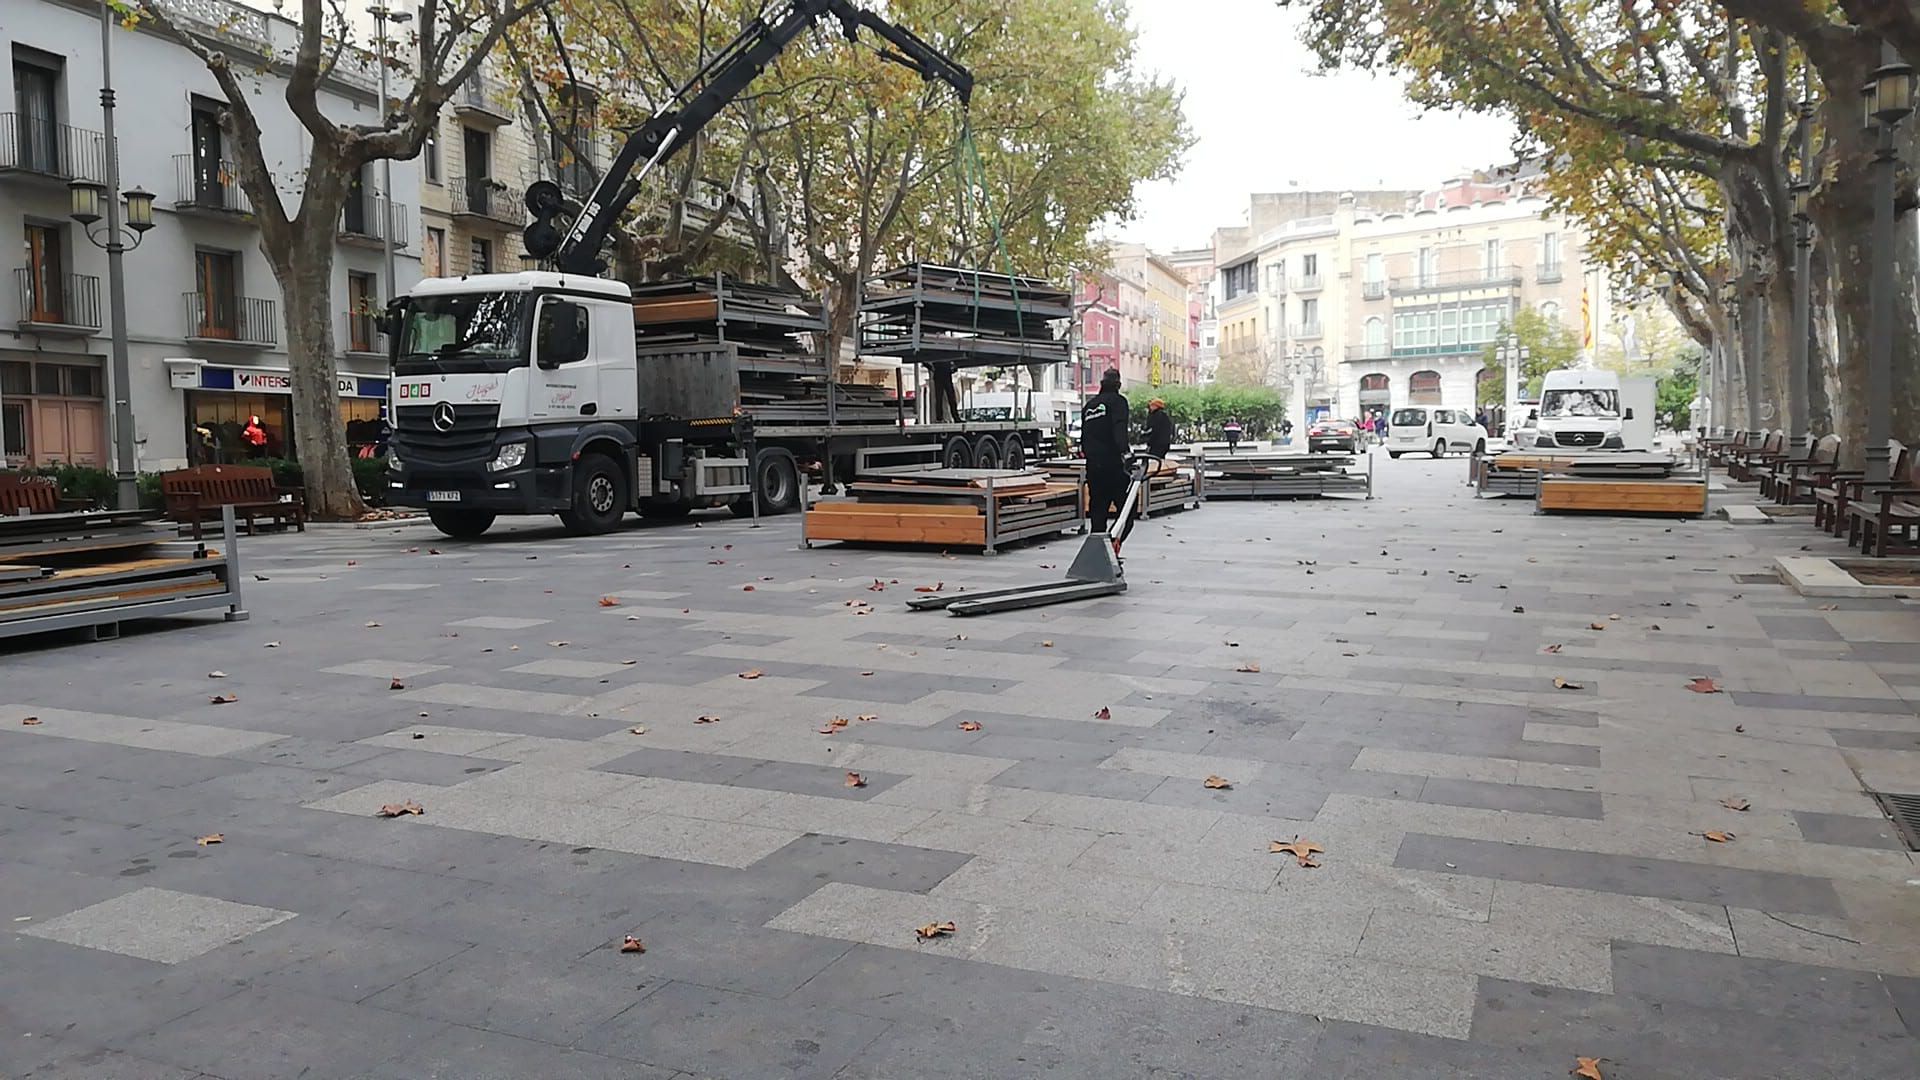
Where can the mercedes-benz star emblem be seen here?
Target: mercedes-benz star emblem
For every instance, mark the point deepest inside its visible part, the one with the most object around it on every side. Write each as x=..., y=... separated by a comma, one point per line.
x=443, y=416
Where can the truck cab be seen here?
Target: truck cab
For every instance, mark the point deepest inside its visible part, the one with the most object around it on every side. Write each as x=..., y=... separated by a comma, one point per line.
x=1579, y=410
x=513, y=393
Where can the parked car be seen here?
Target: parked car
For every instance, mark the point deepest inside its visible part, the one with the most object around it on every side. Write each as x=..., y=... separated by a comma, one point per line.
x=1333, y=435
x=1416, y=430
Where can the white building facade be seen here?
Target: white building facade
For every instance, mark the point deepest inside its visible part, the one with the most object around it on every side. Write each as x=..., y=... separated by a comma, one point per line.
x=205, y=322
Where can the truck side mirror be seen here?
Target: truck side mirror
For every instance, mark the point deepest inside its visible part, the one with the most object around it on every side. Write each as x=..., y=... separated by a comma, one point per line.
x=1533, y=414
x=1628, y=415
x=562, y=337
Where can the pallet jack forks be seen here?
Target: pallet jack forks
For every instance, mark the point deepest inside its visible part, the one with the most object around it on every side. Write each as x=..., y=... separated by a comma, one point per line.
x=1096, y=570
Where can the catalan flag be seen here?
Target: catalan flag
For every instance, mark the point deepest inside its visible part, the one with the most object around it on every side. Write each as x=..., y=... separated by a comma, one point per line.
x=1586, y=317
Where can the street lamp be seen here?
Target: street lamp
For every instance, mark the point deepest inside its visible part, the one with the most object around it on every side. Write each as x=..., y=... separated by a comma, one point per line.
x=1887, y=100
x=88, y=199
x=382, y=16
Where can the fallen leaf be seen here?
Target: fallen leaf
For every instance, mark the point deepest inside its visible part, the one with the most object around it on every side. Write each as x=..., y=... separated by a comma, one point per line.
x=1249, y=668
x=637, y=729
x=746, y=588
x=1302, y=850
x=558, y=644
x=628, y=663
x=270, y=645
x=707, y=720
x=420, y=735
x=353, y=562
x=1718, y=837
x=632, y=944
x=210, y=838
x=854, y=779
x=216, y=674
x=1829, y=607
x=433, y=551
x=1554, y=648
x=222, y=699
x=865, y=674
x=1217, y=783
x=1104, y=713
x=1597, y=626
x=30, y=721
x=400, y=809
x=608, y=601
x=752, y=673
x=866, y=717
x=965, y=725
x=1740, y=728
x=1046, y=644
x=1519, y=610
x=1586, y=1068
x=1735, y=802
x=1562, y=684
x=1703, y=685
x=372, y=625
x=934, y=930
x=877, y=586
x=396, y=684
x=930, y=588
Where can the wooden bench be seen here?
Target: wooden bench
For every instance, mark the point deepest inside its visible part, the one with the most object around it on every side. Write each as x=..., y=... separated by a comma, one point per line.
x=1884, y=519
x=1741, y=460
x=23, y=493
x=1717, y=447
x=1832, y=499
x=194, y=497
x=1777, y=478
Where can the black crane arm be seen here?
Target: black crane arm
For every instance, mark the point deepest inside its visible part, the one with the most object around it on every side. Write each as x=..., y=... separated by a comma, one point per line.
x=724, y=78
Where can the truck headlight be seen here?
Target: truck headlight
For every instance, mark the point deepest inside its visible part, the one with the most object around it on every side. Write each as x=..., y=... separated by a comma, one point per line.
x=508, y=457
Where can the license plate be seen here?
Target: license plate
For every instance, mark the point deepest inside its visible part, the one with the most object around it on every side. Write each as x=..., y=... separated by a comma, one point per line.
x=443, y=496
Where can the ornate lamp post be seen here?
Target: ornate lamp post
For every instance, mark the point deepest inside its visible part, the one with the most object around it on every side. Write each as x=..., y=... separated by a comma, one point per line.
x=1887, y=100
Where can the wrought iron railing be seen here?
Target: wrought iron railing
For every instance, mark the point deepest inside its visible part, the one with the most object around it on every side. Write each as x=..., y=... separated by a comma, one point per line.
x=61, y=151
x=246, y=320
x=57, y=299
x=486, y=197
x=208, y=184
x=365, y=215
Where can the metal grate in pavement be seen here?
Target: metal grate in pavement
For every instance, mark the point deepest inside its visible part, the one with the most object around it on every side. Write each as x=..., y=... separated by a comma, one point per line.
x=1904, y=812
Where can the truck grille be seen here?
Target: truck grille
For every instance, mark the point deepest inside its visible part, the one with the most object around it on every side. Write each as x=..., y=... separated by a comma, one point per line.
x=420, y=443
x=1578, y=438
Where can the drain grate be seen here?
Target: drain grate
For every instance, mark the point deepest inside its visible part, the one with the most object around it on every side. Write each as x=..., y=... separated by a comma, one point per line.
x=1904, y=812
x=1768, y=578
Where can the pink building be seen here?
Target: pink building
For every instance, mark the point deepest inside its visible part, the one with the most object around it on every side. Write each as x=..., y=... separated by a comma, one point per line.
x=1100, y=331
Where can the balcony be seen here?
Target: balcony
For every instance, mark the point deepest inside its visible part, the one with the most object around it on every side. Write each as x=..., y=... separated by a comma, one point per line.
x=1307, y=283
x=231, y=320
x=1548, y=273
x=1369, y=353
x=487, y=199
x=58, y=305
x=38, y=150
x=360, y=334
x=1491, y=277
x=479, y=102
x=1373, y=290
x=363, y=222
x=1303, y=331
x=209, y=188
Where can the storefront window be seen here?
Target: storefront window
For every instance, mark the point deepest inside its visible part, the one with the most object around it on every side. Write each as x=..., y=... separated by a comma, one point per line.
x=366, y=430
x=217, y=424
x=51, y=413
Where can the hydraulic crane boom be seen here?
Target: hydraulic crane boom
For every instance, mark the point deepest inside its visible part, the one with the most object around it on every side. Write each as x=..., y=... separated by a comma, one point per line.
x=726, y=77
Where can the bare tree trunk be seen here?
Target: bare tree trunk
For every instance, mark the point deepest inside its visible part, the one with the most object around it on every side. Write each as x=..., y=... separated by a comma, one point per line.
x=306, y=288
x=1821, y=376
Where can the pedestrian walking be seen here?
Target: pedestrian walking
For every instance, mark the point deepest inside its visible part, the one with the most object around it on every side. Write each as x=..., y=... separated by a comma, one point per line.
x=1103, y=437
x=1159, y=429
x=1232, y=431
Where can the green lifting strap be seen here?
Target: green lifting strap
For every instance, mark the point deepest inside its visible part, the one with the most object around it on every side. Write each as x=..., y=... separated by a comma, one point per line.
x=972, y=170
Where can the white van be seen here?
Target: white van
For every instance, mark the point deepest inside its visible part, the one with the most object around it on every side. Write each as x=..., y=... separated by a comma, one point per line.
x=1417, y=429
x=1580, y=410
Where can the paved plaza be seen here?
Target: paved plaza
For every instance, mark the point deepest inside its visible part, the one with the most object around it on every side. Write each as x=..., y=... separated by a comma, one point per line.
x=636, y=735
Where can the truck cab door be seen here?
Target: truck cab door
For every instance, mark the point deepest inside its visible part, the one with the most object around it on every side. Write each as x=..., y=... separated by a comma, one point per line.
x=564, y=383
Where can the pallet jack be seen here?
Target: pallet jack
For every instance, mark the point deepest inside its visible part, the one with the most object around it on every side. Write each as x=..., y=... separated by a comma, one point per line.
x=1096, y=570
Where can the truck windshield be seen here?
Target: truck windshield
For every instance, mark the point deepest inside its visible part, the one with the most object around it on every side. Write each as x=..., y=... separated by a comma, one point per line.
x=1555, y=404
x=462, y=332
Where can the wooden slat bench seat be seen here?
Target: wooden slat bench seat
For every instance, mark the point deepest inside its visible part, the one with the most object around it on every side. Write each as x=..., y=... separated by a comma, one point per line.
x=194, y=497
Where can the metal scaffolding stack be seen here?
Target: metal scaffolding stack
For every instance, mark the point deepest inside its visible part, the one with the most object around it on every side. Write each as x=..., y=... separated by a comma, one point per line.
x=96, y=569
x=968, y=318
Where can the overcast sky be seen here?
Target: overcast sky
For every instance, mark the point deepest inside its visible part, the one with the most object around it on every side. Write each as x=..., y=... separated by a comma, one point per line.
x=1265, y=122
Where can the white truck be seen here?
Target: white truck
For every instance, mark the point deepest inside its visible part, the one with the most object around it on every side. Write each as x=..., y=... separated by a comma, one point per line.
x=1584, y=409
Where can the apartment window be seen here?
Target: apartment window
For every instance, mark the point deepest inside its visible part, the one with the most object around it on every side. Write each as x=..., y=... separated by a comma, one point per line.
x=1376, y=336
x=216, y=294
x=1241, y=279
x=1310, y=313
x=430, y=154
x=1376, y=269
x=1550, y=251
x=36, y=105
x=363, y=301
x=46, y=281
x=573, y=139
x=436, y=254
x=1309, y=266
x=1429, y=265
x=357, y=217
x=1490, y=257
x=480, y=257
x=1550, y=311
x=210, y=172
x=51, y=413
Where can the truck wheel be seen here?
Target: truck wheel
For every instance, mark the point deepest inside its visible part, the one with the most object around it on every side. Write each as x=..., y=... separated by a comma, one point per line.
x=986, y=452
x=1013, y=453
x=599, y=496
x=778, y=479
x=461, y=524
x=957, y=453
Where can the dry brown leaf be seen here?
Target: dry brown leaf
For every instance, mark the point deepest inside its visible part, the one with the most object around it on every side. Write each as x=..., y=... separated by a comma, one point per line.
x=400, y=809
x=1564, y=684
x=371, y=625
x=866, y=674
x=936, y=587
x=708, y=720
x=1740, y=727
x=1218, y=783
x=1829, y=607
x=1735, y=802
x=1703, y=685
x=1303, y=851
x=223, y=699
x=558, y=644
x=877, y=586
x=934, y=930
x=969, y=725
x=396, y=684
x=1615, y=617
x=1718, y=836
x=1586, y=1068
x=608, y=601
x=716, y=562
x=1596, y=626
x=866, y=716
x=1249, y=668
x=270, y=645
x=628, y=663
x=632, y=944
x=30, y=721
x=210, y=838
x=752, y=673
x=216, y=674
x=1046, y=644
x=637, y=729
x=1104, y=713
x=1553, y=648
x=854, y=779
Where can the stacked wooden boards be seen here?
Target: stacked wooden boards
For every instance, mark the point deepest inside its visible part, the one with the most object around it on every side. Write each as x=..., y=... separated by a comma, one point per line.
x=966, y=508
x=1259, y=474
x=969, y=318
x=1607, y=481
x=768, y=325
x=93, y=570
x=1174, y=485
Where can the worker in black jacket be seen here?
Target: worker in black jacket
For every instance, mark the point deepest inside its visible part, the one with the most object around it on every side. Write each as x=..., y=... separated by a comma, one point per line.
x=1159, y=429
x=1103, y=437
